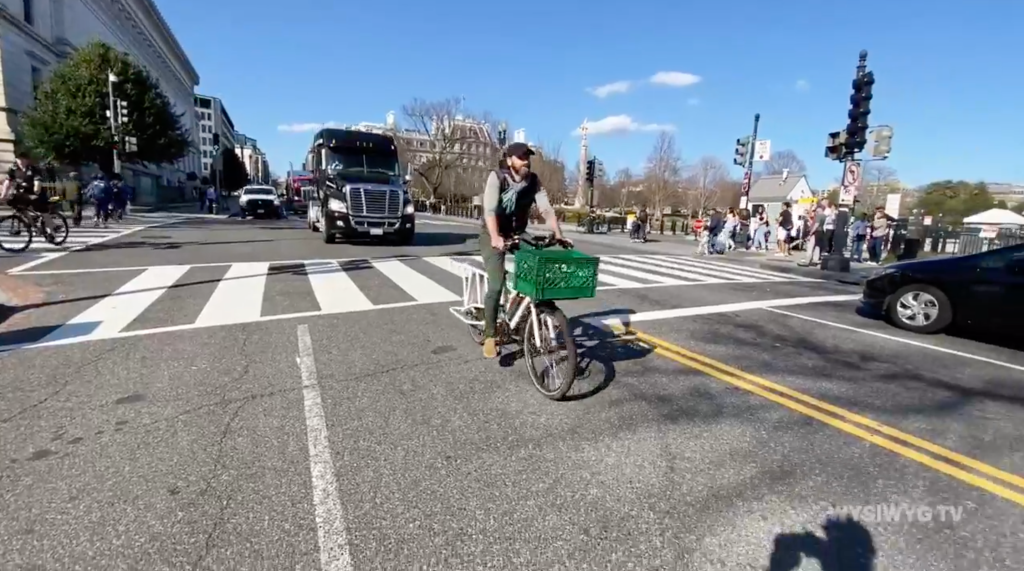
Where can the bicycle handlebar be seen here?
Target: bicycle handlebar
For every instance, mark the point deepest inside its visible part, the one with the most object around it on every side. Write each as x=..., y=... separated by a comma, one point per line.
x=547, y=241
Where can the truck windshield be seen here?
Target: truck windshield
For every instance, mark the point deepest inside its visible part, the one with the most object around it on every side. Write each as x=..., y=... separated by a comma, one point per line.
x=356, y=160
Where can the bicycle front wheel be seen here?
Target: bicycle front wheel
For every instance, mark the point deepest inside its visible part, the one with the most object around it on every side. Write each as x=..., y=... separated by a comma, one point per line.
x=60, y=228
x=557, y=353
x=15, y=234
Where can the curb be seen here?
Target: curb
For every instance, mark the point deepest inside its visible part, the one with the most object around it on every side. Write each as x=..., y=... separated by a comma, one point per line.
x=853, y=278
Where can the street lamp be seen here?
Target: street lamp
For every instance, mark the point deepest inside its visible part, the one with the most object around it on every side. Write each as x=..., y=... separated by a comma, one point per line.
x=502, y=134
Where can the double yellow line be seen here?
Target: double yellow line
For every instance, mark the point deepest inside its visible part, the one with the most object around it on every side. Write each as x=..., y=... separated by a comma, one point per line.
x=941, y=459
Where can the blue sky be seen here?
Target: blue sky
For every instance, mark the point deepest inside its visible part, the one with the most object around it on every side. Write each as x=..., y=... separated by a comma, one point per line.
x=948, y=73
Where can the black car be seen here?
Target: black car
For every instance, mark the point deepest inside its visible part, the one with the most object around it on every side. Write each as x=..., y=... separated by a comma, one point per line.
x=260, y=201
x=983, y=290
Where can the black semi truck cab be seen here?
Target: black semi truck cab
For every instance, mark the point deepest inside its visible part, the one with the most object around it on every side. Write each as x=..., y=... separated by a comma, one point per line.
x=359, y=187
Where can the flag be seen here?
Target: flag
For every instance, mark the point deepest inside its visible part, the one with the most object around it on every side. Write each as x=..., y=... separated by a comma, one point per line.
x=111, y=77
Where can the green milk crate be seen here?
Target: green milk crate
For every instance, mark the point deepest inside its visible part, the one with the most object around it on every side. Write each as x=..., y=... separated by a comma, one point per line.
x=549, y=275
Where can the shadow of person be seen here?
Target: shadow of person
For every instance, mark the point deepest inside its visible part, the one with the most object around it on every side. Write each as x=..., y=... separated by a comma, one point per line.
x=847, y=546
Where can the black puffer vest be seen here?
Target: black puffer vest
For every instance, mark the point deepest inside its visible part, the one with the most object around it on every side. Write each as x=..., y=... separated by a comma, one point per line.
x=514, y=218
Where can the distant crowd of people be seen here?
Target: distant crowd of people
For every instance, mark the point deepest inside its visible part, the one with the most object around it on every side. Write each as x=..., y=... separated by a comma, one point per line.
x=813, y=232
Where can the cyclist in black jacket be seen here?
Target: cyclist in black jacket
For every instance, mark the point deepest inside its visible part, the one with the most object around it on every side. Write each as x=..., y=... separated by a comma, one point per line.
x=24, y=189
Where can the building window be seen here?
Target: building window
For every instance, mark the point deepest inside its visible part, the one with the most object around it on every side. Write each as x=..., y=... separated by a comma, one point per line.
x=30, y=17
x=37, y=79
x=206, y=167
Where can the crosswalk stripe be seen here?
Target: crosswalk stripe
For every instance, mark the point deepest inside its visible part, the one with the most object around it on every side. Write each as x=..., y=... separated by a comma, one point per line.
x=238, y=297
x=751, y=271
x=116, y=311
x=621, y=282
x=334, y=289
x=446, y=263
x=610, y=264
x=417, y=285
x=694, y=267
x=685, y=275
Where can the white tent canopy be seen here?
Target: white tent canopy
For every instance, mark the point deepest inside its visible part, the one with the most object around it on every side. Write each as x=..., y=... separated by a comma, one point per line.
x=996, y=216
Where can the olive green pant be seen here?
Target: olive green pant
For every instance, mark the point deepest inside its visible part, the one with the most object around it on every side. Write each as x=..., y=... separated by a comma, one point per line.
x=494, y=265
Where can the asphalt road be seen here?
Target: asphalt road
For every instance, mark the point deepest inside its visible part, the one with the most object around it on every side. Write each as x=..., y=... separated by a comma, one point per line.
x=225, y=411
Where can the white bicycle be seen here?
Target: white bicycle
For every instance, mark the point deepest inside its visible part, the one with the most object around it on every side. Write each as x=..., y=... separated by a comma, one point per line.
x=538, y=326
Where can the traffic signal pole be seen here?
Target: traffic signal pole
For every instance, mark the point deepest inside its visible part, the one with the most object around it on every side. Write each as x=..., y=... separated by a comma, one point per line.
x=748, y=168
x=840, y=236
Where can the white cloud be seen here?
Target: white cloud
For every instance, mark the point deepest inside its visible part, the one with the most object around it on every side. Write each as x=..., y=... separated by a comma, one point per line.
x=693, y=101
x=306, y=127
x=802, y=85
x=675, y=78
x=610, y=89
x=621, y=124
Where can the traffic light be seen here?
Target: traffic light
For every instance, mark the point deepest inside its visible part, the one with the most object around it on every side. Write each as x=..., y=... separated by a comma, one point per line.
x=216, y=139
x=742, y=148
x=122, y=111
x=835, y=147
x=860, y=109
x=883, y=142
x=598, y=169
x=590, y=171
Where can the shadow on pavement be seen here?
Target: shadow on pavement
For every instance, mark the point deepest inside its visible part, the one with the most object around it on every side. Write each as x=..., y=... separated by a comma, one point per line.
x=1012, y=340
x=598, y=350
x=847, y=546
x=798, y=352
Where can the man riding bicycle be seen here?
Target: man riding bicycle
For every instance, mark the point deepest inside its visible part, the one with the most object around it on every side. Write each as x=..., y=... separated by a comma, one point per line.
x=509, y=194
x=25, y=180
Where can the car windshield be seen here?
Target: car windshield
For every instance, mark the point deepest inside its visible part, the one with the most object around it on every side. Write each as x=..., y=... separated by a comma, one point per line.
x=356, y=160
x=258, y=191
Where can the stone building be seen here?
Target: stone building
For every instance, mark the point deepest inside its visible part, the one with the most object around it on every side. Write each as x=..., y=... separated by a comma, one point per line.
x=35, y=35
x=254, y=158
x=212, y=117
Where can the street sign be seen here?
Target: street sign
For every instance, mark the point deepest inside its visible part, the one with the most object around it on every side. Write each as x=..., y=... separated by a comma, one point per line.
x=851, y=174
x=746, y=183
x=763, y=151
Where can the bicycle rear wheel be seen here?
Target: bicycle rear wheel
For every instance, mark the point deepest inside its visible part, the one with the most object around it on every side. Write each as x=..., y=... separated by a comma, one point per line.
x=558, y=352
x=14, y=226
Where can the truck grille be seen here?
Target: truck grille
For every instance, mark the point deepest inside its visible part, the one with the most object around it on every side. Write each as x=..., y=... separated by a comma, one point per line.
x=259, y=203
x=375, y=202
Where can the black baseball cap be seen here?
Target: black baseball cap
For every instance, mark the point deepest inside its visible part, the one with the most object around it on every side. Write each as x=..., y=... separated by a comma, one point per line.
x=521, y=151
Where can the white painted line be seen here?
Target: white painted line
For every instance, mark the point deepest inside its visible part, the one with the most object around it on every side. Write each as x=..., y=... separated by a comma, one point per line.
x=334, y=289
x=722, y=308
x=330, y=519
x=445, y=222
x=615, y=281
x=238, y=297
x=651, y=267
x=41, y=260
x=901, y=340
x=203, y=265
x=446, y=263
x=607, y=264
x=727, y=266
x=192, y=326
x=734, y=274
x=56, y=255
x=116, y=311
x=419, y=286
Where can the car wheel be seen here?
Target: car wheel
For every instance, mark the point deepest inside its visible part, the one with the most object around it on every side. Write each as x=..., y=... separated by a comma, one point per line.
x=920, y=308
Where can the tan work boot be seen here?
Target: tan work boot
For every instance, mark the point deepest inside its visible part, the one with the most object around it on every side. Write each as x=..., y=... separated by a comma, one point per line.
x=490, y=348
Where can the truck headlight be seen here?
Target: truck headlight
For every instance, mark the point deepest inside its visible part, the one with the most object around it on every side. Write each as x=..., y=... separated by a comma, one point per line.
x=277, y=201
x=242, y=201
x=410, y=208
x=335, y=205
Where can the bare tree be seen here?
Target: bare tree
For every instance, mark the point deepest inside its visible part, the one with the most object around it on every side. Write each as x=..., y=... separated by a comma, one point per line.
x=878, y=181
x=623, y=187
x=704, y=183
x=782, y=160
x=445, y=139
x=550, y=168
x=663, y=172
